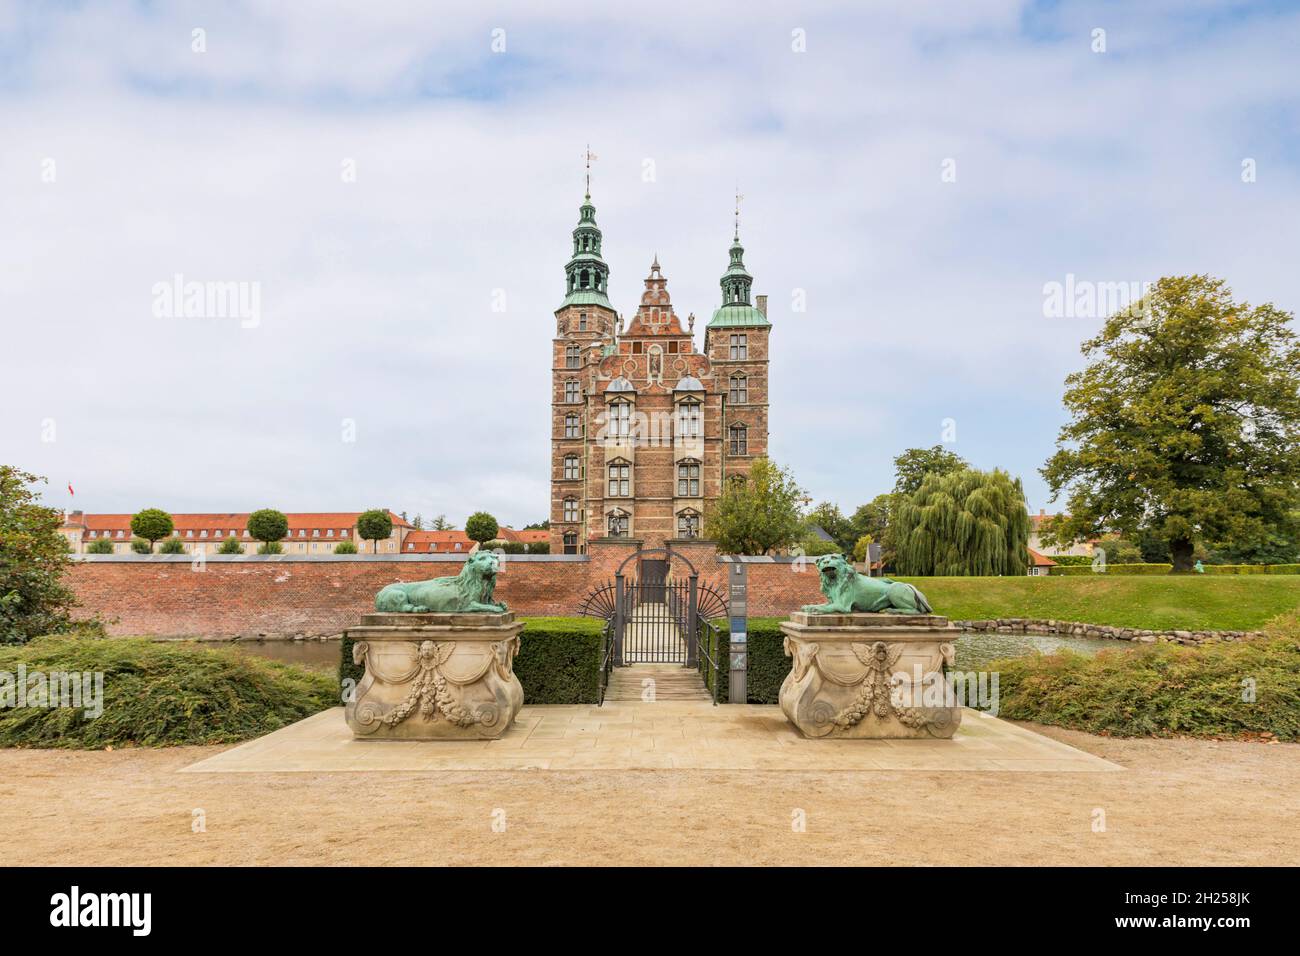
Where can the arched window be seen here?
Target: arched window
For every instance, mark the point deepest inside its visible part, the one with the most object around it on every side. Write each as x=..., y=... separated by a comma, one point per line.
x=572, y=356
x=688, y=478
x=571, y=427
x=570, y=509
x=571, y=393
x=739, y=440
x=619, y=524
x=688, y=418
x=688, y=523
x=739, y=393
x=570, y=542
x=585, y=280
x=570, y=467
x=620, y=478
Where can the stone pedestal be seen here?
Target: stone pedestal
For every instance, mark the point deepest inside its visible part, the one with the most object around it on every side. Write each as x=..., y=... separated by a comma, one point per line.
x=869, y=676
x=435, y=676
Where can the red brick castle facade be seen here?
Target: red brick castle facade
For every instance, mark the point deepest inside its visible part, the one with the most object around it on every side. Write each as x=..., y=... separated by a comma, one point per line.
x=644, y=428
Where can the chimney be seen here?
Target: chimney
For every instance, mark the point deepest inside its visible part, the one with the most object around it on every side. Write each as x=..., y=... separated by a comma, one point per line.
x=762, y=305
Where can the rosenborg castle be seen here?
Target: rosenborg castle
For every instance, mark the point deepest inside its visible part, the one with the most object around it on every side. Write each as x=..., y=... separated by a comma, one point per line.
x=645, y=427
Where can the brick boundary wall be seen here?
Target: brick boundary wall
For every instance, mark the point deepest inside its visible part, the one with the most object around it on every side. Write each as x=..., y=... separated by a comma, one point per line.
x=285, y=596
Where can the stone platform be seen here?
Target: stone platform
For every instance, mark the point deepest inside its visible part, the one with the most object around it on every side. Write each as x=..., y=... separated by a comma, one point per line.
x=869, y=676
x=660, y=735
x=435, y=676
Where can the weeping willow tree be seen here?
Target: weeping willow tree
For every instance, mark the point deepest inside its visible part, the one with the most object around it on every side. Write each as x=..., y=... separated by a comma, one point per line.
x=963, y=523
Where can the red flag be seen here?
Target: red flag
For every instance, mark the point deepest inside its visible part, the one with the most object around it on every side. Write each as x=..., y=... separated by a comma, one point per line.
x=70, y=491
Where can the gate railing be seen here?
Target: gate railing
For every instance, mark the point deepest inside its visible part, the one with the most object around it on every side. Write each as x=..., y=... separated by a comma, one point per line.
x=708, y=641
x=606, y=660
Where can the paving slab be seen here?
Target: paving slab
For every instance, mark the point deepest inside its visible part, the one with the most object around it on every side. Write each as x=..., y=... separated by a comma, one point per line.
x=683, y=735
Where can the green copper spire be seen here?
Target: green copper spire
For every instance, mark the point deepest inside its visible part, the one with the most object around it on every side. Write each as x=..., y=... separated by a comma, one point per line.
x=736, y=283
x=586, y=274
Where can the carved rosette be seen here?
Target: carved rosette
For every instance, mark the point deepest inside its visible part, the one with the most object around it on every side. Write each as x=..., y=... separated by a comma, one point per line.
x=434, y=679
x=867, y=676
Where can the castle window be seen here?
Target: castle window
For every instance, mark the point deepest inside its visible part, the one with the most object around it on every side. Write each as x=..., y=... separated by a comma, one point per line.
x=570, y=467
x=619, y=522
x=688, y=418
x=571, y=427
x=572, y=356
x=570, y=509
x=688, y=524
x=739, y=440
x=620, y=419
x=620, y=478
x=571, y=394
x=582, y=321
x=688, y=479
x=585, y=280
x=739, y=394
x=570, y=542
x=739, y=347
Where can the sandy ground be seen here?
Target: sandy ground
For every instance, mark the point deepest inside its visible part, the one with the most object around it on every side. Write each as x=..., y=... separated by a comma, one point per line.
x=1179, y=802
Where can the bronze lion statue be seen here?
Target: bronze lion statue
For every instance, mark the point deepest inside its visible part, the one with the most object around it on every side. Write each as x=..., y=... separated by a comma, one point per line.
x=468, y=592
x=849, y=592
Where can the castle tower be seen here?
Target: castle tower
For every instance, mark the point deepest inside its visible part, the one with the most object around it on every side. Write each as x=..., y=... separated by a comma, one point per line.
x=736, y=342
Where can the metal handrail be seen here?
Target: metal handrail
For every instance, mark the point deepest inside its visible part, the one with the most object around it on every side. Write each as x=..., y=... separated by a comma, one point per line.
x=710, y=638
x=607, y=662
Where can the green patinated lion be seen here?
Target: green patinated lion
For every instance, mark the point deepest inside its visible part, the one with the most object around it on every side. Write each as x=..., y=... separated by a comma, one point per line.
x=468, y=592
x=849, y=592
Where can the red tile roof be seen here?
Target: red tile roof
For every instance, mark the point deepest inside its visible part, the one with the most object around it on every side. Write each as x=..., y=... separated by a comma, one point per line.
x=221, y=524
x=1040, y=560
x=439, y=541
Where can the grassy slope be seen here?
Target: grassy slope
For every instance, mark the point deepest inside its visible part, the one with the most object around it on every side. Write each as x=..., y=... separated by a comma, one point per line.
x=1190, y=602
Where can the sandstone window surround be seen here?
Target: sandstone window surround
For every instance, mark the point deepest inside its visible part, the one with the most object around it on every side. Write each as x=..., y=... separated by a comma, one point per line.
x=572, y=426
x=620, y=478
x=739, y=391
x=570, y=542
x=572, y=356
x=688, y=523
x=620, y=524
x=690, y=418
x=688, y=478
x=739, y=350
x=570, y=509
x=620, y=419
x=571, y=467
x=572, y=392
x=739, y=436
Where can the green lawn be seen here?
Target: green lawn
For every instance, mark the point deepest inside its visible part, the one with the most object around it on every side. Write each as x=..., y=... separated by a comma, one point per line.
x=1183, y=602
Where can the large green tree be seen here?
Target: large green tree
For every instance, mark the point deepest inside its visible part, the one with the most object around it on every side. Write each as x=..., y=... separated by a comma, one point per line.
x=375, y=525
x=757, y=515
x=152, y=524
x=1184, y=424
x=914, y=464
x=875, y=519
x=964, y=523
x=268, y=526
x=830, y=519
x=33, y=557
x=481, y=527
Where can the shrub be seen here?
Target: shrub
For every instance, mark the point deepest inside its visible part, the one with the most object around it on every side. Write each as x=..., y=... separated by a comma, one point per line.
x=558, y=661
x=152, y=524
x=1235, y=568
x=270, y=547
x=1284, y=569
x=767, y=664
x=1071, y=559
x=172, y=546
x=816, y=547
x=481, y=526
x=539, y=547
x=141, y=546
x=345, y=547
x=1160, y=690
x=267, y=526
x=33, y=557
x=231, y=546
x=100, y=546
x=374, y=525
x=161, y=694
x=505, y=547
x=1112, y=569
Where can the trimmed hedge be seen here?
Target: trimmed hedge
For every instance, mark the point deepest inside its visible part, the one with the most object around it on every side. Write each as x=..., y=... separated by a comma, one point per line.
x=558, y=662
x=1071, y=560
x=1068, y=569
x=768, y=665
x=1251, y=568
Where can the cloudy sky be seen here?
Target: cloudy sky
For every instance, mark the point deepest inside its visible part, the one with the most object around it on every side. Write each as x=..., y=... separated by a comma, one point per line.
x=383, y=174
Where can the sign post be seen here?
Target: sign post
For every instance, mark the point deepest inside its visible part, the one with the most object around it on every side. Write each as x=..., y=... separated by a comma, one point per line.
x=738, y=663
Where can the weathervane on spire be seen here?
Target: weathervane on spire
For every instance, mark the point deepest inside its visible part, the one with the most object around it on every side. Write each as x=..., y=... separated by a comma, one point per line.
x=739, y=197
x=590, y=157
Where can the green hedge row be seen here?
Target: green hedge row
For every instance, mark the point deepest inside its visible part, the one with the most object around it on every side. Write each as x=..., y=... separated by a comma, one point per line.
x=558, y=662
x=1072, y=560
x=768, y=665
x=1252, y=568
x=1067, y=569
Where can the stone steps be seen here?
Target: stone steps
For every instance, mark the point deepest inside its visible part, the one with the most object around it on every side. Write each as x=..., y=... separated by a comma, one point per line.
x=671, y=682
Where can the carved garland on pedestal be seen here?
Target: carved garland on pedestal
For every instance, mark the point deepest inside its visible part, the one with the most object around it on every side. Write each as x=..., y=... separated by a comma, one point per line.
x=429, y=685
x=873, y=685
